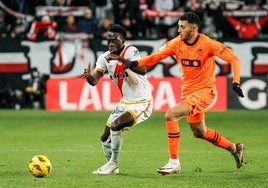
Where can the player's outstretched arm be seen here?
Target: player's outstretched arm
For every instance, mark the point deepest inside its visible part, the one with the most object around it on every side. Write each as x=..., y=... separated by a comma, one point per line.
x=139, y=70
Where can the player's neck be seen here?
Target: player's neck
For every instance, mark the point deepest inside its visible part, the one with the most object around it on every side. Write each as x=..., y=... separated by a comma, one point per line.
x=192, y=40
x=119, y=51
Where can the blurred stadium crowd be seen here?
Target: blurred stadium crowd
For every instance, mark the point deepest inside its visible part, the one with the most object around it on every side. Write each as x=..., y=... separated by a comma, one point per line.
x=45, y=19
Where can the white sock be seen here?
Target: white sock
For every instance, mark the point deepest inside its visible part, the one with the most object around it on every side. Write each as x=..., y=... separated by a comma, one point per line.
x=174, y=161
x=233, y=150
x=106, y=148
x=116, y=144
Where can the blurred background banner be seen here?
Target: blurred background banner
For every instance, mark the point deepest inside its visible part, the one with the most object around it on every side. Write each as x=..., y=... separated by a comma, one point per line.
x=76, y=94
x=26, y=66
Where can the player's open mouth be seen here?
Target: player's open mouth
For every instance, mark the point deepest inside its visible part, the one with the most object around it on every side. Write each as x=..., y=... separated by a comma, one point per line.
x=112, y=50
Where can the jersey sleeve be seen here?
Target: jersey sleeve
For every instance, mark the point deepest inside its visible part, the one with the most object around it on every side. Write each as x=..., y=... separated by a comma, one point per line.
x=132, y=54
x=101, y=63
x=225, y=53
x=165, y=51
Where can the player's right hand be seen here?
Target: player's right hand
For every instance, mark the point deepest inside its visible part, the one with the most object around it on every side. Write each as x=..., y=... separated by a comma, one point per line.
x=86, y=73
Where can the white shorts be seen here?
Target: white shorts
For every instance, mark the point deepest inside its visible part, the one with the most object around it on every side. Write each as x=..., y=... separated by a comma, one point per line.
x=139, y=110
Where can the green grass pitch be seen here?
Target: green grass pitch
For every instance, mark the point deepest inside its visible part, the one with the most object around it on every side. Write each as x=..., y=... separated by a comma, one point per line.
x=71, y=141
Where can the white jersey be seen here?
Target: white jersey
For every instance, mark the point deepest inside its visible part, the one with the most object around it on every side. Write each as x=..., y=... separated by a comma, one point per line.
x=134, y=87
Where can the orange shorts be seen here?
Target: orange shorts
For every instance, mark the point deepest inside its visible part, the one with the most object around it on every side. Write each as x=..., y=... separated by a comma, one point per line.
x=198, y=102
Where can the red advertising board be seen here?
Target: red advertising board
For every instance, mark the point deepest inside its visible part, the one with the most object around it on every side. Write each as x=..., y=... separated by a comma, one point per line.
x=76, y=94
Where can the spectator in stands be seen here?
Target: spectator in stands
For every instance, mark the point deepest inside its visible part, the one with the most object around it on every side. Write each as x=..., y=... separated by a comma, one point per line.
x=87, y=24
x=70, y=25
x=85, y=3
x=215, y=10
x=59, y=19
x=147, y=31
x=103, y=28
x=18, y=30
x=104, y=9
x=127, y=9
x=164, y=23
x=198, y=7
x=246, y=26
x=45, y=29
x=131, y=29
x=4, y=26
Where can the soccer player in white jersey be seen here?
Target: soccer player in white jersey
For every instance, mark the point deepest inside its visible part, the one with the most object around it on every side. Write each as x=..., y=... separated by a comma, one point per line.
x=135, y=105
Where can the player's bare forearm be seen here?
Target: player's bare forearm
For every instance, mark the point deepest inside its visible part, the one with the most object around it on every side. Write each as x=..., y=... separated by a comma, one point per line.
x=91, y=79
x=139, y=70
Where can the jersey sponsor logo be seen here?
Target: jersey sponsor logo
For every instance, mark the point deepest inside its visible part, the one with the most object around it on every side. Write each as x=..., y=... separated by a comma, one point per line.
x=191, y=63
x=119, y=75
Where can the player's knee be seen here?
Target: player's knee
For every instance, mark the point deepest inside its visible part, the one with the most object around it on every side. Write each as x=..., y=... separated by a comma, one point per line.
x=168, y=116
x=198, y=135
x=115, y=128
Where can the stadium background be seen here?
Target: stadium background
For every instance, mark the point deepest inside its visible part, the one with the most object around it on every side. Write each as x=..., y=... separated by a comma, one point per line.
x=44, y=74
x=61, y=71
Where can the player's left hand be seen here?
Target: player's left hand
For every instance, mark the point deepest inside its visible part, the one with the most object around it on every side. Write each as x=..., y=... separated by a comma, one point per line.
x=238, y=90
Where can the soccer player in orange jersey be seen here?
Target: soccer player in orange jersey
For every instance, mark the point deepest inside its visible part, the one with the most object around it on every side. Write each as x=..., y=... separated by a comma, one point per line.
x=194, y=53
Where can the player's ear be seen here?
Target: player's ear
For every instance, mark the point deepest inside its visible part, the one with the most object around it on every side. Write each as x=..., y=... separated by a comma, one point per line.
x=196, y=27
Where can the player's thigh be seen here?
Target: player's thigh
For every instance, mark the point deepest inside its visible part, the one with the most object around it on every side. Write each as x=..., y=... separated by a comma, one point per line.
x=140, y=111
x=199, y=101
x=177, y=112
x=117, y=112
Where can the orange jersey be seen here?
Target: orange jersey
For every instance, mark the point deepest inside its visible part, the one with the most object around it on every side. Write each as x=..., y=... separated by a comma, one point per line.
x=196, y=61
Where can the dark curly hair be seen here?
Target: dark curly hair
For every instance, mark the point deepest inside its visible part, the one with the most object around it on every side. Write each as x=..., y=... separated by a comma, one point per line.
x=191, y=17
x=116, y=28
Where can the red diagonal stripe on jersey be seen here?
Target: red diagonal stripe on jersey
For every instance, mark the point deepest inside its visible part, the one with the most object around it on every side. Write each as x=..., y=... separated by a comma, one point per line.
x=119, y=71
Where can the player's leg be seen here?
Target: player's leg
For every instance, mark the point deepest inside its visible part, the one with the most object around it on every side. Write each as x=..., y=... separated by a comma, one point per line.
x=134, y=114
x=106, y=143
x=113, y=147
x=200, y=130
x=122, y=117
x=117, y=126
x=172, y=117
x=198, y=105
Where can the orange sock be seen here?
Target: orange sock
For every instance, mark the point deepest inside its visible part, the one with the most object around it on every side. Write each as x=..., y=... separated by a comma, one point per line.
x=217, y=139
x=173, y=138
